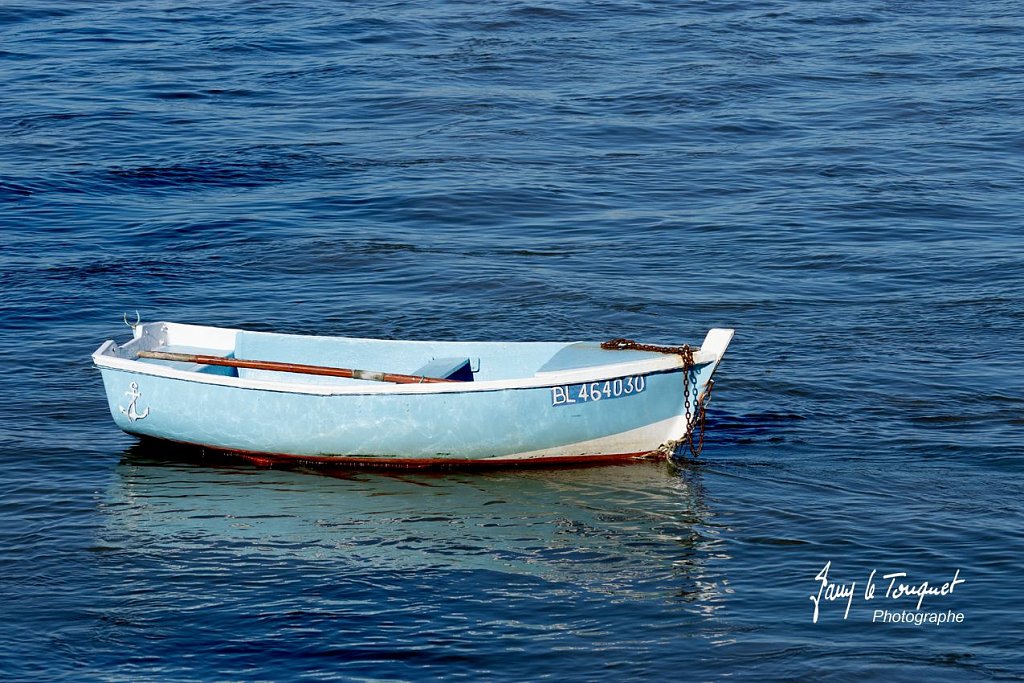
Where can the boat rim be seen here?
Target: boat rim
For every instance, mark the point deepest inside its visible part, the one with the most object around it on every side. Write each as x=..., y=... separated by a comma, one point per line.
x=104, y=359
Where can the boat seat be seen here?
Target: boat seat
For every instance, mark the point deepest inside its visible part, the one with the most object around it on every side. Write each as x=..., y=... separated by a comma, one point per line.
x=338, y=353
x=459, y=369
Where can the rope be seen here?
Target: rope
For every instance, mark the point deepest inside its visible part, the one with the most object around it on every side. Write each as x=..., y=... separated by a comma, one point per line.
x=686, y=354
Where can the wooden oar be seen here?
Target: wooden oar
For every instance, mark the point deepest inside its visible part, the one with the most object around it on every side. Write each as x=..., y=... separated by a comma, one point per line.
x=293, y=367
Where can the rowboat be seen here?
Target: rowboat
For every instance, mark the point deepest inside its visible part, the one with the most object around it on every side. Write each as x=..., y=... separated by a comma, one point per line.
x=313, y=400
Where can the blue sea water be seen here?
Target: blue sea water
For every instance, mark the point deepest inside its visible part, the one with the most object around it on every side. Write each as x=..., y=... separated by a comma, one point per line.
x=842, y=182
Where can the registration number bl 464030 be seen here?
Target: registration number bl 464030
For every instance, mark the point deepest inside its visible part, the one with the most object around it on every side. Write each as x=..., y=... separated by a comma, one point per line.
x=589, y=392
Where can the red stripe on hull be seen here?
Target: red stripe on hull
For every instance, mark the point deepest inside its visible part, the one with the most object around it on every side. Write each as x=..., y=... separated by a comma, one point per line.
x=435, y=463
x=398, y=463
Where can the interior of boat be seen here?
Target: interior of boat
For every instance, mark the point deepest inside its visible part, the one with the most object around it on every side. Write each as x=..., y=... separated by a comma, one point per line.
x=458, y=361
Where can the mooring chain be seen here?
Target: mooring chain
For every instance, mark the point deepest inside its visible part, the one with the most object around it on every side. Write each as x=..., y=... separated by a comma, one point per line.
x=686, y=353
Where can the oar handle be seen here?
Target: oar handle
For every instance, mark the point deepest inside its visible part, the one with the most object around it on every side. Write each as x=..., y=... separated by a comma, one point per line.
x=298, y=368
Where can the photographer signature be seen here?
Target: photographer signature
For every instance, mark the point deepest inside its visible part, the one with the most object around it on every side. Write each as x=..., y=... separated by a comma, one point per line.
x=896, y=589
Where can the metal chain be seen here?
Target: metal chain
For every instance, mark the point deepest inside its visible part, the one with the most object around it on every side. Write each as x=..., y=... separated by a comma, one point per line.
x=699, y=403
x=701, y=419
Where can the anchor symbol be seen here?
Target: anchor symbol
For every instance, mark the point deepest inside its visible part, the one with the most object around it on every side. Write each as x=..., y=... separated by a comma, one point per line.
x=131, y=411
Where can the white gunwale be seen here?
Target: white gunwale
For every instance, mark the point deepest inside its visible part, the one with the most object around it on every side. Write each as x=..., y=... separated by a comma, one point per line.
x=105, y=357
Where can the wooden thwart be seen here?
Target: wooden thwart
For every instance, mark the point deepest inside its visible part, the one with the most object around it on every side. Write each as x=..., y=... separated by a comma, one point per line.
x=298, y=368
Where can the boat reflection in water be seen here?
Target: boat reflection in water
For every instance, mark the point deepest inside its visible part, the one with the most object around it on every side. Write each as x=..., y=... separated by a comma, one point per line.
x=637, y=529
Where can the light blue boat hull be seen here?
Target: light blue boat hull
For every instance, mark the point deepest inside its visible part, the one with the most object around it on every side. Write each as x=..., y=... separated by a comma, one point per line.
x=545, y=421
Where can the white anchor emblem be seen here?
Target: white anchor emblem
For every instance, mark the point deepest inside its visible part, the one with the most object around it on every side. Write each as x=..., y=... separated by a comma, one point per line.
x=132, y=413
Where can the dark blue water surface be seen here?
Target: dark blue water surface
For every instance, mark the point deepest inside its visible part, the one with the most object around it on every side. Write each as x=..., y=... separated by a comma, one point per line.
x=842, y=182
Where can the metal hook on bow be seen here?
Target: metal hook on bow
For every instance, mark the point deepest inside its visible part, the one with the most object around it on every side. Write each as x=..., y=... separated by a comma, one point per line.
x=138, y=319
